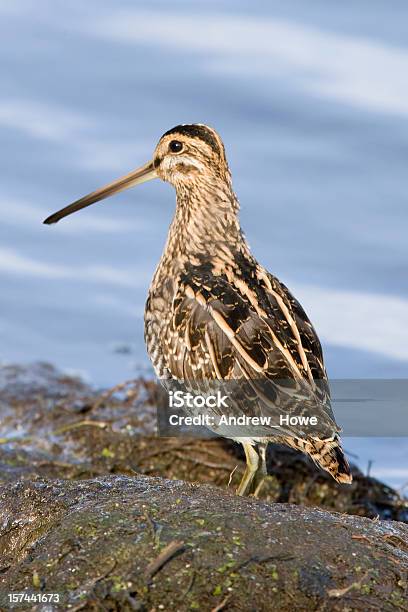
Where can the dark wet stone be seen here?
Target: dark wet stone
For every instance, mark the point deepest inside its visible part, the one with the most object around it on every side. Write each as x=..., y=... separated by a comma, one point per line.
x=87, y=506
x=93, y=540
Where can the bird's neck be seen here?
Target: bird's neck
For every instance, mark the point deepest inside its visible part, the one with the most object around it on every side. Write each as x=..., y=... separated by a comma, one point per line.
x=206, y=221
x=205, y=228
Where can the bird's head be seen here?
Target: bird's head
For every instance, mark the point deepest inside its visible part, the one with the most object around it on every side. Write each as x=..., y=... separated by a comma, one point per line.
x=188, y=152
x=183, y=156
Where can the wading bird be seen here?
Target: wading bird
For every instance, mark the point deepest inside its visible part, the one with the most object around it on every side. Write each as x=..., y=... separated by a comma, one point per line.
x=213, y=312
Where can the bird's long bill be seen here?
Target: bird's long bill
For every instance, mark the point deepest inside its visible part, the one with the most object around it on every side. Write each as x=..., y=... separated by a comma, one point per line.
x=141, y=175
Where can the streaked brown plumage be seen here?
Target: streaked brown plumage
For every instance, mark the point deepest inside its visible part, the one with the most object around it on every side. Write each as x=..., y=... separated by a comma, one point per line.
x=213, y=312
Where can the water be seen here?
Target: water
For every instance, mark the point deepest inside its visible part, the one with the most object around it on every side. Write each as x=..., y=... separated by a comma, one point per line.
x=312, y=102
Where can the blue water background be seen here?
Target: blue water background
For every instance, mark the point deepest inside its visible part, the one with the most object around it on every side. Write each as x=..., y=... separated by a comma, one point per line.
x=311, y=100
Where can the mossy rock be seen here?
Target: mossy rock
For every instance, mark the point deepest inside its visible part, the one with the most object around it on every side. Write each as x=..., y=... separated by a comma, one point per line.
x=99, y=544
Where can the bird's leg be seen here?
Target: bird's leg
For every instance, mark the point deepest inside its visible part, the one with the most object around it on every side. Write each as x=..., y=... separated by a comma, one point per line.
x=262, y=451
x=262, y=472
x=252, y=462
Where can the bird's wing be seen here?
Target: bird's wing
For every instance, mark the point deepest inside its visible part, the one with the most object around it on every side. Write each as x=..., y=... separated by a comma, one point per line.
x=220, y=332
x=294, y=329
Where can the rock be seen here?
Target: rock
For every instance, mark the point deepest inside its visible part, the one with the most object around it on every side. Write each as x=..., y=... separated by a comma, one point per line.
x=82, y=516
x=99, y=543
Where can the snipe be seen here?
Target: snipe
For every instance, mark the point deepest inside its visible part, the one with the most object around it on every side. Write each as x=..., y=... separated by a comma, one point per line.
x=213, y=312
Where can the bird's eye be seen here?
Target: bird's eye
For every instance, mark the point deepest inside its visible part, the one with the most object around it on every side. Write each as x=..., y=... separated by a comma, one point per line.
x=176, y=146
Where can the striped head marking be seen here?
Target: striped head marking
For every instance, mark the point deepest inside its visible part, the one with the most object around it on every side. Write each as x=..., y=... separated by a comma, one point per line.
x=187, y=151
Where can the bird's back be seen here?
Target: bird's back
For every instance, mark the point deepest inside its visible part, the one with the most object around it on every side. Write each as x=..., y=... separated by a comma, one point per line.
x=240, y=323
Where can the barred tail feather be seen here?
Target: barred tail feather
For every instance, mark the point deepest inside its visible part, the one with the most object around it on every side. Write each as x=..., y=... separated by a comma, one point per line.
x=328, y=454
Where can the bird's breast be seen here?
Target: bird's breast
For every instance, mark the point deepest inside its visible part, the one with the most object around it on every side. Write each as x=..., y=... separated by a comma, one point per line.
x=157, y=322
